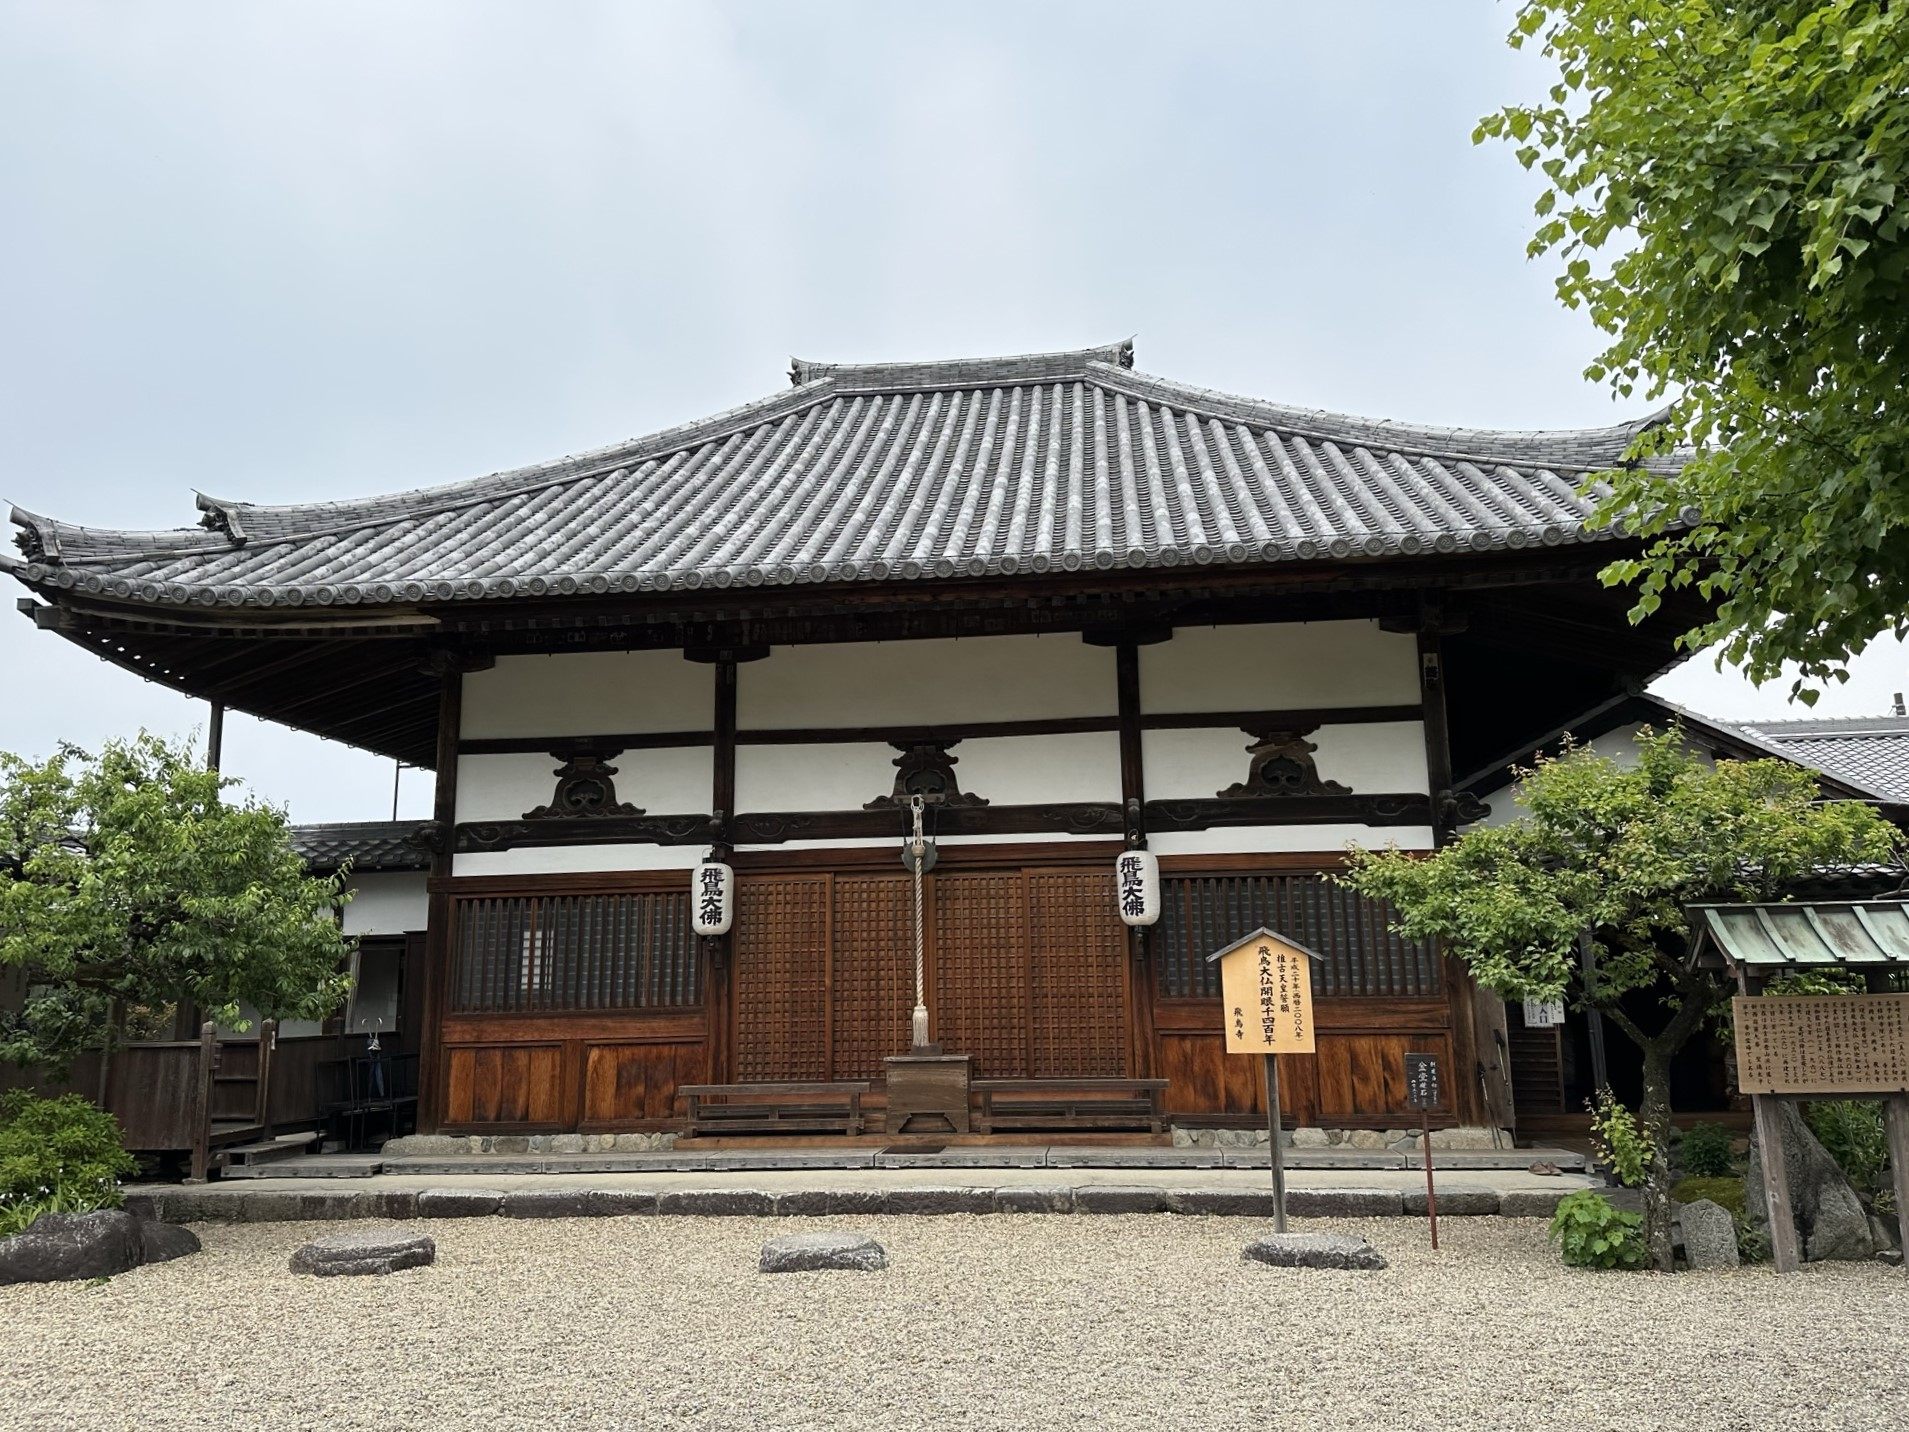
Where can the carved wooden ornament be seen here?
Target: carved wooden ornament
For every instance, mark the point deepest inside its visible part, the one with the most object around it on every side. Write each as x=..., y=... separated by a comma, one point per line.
x=925, y=768
x=585, y=790
x=1283, y=766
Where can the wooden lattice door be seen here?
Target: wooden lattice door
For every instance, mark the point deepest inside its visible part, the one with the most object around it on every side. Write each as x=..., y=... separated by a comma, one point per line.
x=872, y=972
x=781, y=946
x=980, y=970
x=1077, y=972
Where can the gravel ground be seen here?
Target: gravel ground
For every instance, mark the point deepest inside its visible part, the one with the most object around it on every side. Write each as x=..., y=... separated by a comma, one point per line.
x=1000, y=1322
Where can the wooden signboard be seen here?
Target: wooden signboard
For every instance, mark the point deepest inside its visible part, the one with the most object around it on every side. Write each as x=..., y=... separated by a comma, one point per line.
x=1421, y=1082
x=1266, y=987
x=1822, y=1044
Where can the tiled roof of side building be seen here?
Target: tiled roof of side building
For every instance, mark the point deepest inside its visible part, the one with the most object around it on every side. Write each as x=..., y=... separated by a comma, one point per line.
x=872, y=472
x=370, y=845
x=1869, y=750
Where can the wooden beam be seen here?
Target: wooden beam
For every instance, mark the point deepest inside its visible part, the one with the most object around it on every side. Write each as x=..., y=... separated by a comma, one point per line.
x=1776, y=1182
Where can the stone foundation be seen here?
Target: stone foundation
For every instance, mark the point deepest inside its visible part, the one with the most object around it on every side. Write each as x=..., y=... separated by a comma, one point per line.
x=1373, y=1140
x=438, y=1145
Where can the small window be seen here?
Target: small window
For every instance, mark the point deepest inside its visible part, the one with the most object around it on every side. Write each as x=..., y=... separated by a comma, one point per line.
x=377, y=987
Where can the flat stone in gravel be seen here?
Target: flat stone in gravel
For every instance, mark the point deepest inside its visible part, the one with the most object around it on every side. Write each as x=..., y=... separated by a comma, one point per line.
x=364, y=1251
x=818, y=1252
x=67, y=1247
x=1313, y=1250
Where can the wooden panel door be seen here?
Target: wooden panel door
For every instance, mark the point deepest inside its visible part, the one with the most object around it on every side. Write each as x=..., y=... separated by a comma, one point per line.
x=781, y=947
x=981, y=1003
x=872, y=972
x=1077, y=976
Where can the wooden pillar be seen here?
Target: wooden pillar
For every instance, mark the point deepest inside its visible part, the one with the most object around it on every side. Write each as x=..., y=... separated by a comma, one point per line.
x=1896, y=1117
x=215, y=736
x=437, y=961
x=1133, y=802
x=1469, y=1104
x=722, y=804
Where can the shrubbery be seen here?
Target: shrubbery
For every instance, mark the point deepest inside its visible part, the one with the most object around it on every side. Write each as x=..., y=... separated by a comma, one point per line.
x=1705, y=1152
x=56, y=1156
x=1622, y=1144
x=1852, y=1131
x=1591, y=1233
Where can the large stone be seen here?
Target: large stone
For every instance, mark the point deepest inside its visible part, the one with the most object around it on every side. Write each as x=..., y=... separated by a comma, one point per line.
x=1034, y=1198
x=1313, y=1250
x=1118, y=1198
x=821, y=1202
x=162, y=1242
x=1310, y=1138
x=66, y=1247
x=718, y=1202
x=365, y=1251
x=1225, y=1202
x=1830, y=1222
x=423, y=1145
x=551, y=1203
x=1458, y=1201
x=459, y=1202
x=938, y=1200
x=1530, y=1202
x=1344, y=1202
x=817, y=1252
x=1710, y=1235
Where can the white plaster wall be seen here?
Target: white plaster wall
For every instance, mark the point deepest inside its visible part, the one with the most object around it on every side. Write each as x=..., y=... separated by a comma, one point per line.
x=670, y=781
x=993, y=678
x=815, y=777
x=1279, y=667
x=389, y=903
x=1308, y=839
x=589, y=693
x=557, y=859
x=1375, y=757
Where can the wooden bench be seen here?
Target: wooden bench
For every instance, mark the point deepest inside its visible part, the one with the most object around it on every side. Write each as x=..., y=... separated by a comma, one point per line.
x=819, y=1108
x=1111, y=1104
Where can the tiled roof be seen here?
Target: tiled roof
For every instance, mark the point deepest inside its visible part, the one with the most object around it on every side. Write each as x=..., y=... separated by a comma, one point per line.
x=370, y=845
x=1870, y=751
x=872, y=472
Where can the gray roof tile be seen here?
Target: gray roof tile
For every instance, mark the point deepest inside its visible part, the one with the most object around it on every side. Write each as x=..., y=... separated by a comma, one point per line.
x=878, y=472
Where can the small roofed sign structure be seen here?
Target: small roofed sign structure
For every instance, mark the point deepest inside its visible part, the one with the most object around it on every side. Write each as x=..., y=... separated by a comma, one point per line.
x=1789, y=1045
x=1266, y=988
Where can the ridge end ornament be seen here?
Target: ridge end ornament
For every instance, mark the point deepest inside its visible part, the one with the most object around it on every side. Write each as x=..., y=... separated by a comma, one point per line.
x=585, y=790
x=1283, y=765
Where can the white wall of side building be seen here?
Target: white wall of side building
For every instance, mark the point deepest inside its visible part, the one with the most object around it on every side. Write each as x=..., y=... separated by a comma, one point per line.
x=386, y=903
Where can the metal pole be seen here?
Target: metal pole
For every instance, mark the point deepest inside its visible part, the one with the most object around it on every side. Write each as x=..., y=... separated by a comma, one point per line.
x=1278, y=1159
x=397, y=770
x=1431, y=1194
x=215, y=736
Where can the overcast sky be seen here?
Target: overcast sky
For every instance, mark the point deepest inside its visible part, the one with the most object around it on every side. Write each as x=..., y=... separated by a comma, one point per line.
x=296, y=251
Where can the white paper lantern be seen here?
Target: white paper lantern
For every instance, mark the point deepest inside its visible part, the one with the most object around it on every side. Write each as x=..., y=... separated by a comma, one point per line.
x=1137, y=886
x=712, y=898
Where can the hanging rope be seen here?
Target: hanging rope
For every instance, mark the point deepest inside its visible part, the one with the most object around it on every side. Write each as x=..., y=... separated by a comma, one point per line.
x=918, y=849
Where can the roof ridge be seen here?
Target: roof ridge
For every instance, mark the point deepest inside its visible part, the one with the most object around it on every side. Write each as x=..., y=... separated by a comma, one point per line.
x=1006, y=369
x=1326, y=425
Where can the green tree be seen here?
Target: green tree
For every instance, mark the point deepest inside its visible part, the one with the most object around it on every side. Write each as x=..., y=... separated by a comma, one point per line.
x=1617, y=851
x=1727, y=195
x=126, y=882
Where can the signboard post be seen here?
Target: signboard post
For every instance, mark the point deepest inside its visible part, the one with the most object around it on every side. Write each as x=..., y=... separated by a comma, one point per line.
x=1266, y=991
x=1422, y=1093
x=1821, y=1044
